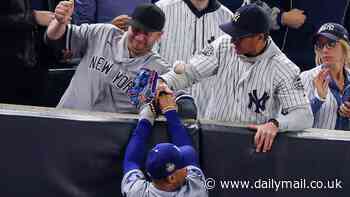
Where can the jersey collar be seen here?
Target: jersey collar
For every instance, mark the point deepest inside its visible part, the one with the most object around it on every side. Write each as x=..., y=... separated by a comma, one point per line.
x=213, y=5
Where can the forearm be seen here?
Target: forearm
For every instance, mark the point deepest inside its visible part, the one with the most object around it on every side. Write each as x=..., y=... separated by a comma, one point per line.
x=176, y=81
x=178, y=133
x=297, y=119
x=56, y=30
x=57, y=45
x=136, y=149
x=43, y=18
x=184, y=75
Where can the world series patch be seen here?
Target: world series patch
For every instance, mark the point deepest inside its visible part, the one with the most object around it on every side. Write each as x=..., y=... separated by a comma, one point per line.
x=208, y=51
x=298, y=84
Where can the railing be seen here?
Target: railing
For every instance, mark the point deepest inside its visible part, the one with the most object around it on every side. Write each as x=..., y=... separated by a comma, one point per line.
x=50, y=152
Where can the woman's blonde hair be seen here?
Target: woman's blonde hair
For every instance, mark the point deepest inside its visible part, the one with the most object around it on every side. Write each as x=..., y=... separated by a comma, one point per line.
x=346, y=49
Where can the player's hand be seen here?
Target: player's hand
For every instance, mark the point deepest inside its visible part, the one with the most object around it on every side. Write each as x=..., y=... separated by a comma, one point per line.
x=321, y=83
x=167, y=102
x=147, y=113
x=344, y=109
x=163, y=87
x=121, y=22
x=64, y=12
x=294, y=18
x=43, y=18
x=265, y=135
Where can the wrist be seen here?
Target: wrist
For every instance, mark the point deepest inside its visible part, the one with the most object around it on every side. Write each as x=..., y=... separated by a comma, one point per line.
x=283, y=18
x=319, y=97
x=274, y=122
x=168, y=108
x=147, y=114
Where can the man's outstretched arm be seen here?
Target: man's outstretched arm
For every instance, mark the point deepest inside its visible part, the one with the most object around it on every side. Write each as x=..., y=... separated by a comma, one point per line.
x=178, y=133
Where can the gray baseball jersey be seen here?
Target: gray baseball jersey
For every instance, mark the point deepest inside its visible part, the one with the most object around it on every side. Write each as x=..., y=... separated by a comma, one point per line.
x=247, y=90
x=106, y=71
x=187, y=31
x=134, y=184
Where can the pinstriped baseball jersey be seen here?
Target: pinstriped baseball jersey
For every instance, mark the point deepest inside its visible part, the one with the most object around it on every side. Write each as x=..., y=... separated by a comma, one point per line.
x=326, y=116
x=106, y=71
x=135, y=185
x=187, y=31
x=247, y=90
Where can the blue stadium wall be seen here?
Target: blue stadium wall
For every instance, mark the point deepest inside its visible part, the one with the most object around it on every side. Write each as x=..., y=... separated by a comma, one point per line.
x=64, y=153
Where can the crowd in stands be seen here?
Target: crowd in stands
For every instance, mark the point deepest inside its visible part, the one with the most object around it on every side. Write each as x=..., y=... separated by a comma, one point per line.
x=26, y=58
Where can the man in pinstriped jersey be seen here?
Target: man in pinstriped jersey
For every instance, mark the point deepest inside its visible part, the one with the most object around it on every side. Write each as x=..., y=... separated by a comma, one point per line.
x=189, y=27
x=256, y=83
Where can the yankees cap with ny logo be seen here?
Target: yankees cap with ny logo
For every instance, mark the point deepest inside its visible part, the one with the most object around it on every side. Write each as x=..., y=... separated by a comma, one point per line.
x=248, y=20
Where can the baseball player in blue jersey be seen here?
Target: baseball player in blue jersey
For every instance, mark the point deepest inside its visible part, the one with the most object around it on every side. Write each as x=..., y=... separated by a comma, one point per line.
x=256, y=83
x=328, y=85
x=110, y=57
x=172, y=167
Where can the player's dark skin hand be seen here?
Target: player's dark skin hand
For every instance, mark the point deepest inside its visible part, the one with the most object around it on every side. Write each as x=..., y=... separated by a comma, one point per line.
x=166, y=102
x=163, y=88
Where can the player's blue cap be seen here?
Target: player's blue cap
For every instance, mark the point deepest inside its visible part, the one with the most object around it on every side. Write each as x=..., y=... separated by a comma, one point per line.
x=332, y=31
x=248, y=20
x=164, y=159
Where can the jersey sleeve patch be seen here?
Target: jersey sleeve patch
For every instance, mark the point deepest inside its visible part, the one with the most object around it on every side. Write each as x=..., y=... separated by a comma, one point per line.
x=208, y=51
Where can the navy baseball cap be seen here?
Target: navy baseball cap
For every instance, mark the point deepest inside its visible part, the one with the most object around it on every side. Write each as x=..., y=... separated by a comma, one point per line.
x=148, y=17
x=246, y=21
x=332, y=31
x=164, y=159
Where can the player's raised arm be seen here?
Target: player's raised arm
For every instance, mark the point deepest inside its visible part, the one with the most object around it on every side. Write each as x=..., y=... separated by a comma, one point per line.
x=136, y=149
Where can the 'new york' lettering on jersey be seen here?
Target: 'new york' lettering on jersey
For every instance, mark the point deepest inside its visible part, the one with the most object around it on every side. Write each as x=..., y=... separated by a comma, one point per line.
x=106, y=71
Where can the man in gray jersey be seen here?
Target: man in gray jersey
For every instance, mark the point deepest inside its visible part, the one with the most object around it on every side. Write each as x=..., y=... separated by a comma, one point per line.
x=190, y=26
x=256, y=83
x=110, y=57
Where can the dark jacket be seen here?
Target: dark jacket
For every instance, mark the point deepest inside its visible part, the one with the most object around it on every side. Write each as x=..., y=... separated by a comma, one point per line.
x=297, y=45
x=347, y=18
x=17, y=38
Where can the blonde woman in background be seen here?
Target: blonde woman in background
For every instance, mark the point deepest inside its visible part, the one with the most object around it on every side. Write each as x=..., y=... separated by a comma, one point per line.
x=328, y=85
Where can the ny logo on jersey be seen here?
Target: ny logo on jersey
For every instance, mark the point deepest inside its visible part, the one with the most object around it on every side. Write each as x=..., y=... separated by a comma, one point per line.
x=236, y=16
x=258, y=102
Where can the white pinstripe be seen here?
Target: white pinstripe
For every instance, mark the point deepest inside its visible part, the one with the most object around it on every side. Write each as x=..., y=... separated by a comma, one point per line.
x=326, y=117
x=271, y=72
x=185, y=35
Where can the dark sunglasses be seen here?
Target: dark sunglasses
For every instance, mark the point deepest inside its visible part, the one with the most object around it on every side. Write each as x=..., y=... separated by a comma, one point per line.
x=329, y=45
